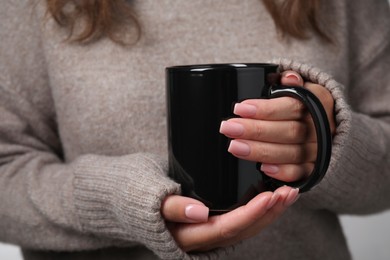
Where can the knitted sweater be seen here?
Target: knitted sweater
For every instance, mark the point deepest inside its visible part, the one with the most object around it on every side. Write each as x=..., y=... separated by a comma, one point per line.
x=83, y=160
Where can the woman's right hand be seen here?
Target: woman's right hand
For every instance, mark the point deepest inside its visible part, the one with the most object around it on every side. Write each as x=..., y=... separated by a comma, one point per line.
x=187, y=219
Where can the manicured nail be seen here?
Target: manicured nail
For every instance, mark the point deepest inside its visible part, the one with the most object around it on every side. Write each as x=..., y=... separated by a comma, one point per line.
x=292, y=76
x=231, y=128
x=275, y=197
x=197, y=213
x=244, y=110
x=292, y=197
x=269, y=168
x=239, y=148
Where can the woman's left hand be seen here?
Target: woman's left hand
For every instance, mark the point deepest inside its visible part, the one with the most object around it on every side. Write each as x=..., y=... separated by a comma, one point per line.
x=278, y=132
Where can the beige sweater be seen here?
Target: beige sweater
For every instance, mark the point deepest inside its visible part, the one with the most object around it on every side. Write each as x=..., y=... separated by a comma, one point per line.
x=83, y=127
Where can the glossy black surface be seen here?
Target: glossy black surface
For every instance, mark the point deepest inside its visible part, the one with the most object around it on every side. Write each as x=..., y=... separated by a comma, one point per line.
x=199, y=97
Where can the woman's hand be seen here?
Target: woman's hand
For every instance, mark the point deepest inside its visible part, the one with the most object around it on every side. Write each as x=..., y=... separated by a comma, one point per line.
x=278, y=132
x=188, y=221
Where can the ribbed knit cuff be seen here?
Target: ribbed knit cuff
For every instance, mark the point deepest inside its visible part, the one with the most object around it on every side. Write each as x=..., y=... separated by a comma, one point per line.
x=120, y=197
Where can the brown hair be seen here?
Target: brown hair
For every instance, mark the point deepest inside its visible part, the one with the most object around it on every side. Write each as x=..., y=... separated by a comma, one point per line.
x=101, y=18
x=108, y=18
x=297, y=18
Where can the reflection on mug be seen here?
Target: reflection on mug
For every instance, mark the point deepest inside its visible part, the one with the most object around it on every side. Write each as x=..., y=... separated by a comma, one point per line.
x=177, y=172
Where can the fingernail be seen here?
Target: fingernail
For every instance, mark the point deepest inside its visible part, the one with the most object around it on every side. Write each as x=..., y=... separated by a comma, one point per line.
x=231, y=128
x=244, y=110
x=239, y=148
x=292, y=197
x=275, y=197
x=292, y=76
x=269, y=168
x=197, y=213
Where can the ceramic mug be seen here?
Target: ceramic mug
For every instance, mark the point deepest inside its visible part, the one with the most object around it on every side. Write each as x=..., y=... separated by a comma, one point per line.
x=199, y=97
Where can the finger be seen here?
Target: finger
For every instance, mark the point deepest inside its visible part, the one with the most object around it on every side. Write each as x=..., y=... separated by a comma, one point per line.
x=286, y=196
x=196, y=236
x=273, y=153
x=288, y=172
x=177, y=208
x=286, y=132
x=291, y=78
x=275, y=109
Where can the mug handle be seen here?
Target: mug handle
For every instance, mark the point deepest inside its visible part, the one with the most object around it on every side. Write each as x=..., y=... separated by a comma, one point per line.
x=324, y=137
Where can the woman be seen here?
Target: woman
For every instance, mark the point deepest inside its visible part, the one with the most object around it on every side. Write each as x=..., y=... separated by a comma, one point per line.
x=83, y=150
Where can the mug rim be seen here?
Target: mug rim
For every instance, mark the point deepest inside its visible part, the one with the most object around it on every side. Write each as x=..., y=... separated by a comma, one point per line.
x=219, y=66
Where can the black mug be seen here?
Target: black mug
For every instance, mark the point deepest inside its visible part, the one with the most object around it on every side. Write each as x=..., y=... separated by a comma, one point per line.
x=199, y=97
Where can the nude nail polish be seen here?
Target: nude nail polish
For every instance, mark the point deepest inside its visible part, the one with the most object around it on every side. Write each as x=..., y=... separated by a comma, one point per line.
x=245, y=110
x=269, y=168
x=197, y=213
x=239, y=148
x=292, y=76
x=292, y=197
x=231, y=128
x=274, y=199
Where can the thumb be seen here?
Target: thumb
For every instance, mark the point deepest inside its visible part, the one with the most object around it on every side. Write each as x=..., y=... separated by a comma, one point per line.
x=177, y=208
x=291, y=78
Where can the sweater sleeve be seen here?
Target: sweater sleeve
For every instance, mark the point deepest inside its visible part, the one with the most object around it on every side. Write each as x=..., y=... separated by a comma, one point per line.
x=93, y=202
x=358, y=178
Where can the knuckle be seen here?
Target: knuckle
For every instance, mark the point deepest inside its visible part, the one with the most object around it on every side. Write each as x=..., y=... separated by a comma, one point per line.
x=298, y=154
x=258, y=131
x=298, y=108
x=297, y=131
x=263, y=154
x=294, y=173
x=268, y=110
x=227, y=233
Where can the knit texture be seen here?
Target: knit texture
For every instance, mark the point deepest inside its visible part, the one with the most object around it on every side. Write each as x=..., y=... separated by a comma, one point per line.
x=83, y=141
x=102, y=188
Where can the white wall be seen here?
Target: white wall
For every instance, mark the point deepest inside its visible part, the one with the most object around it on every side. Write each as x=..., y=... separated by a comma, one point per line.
x=8, y=252
x=368, y=237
